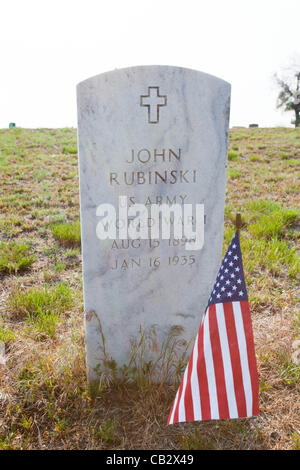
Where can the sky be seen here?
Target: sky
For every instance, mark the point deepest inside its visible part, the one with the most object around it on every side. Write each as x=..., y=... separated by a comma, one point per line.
x=48, y=46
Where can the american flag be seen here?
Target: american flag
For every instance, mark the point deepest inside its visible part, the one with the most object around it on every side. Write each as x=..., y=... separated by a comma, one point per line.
x=221, y=380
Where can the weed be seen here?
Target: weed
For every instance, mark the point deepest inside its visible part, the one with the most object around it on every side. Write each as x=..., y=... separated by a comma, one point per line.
x=263, y=387
x=289, y=372
x=6, y=442
x=26, y=423
x=296, y=440
x=61, y=426
x=194, y=441
x=108, y=430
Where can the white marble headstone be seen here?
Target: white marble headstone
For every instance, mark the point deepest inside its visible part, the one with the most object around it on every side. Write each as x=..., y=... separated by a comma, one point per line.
x=156, y=134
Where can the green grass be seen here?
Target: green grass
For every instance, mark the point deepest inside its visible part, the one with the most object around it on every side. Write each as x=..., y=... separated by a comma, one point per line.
x=269, y=219
x=42, y=308
x=43, y=324
x=232, y=155
x=255, y=158
x=284, y=155
x=68, y=149
x=274, y=225
x=274, y=255
x=48, y=299
x=262, y=206
x=233, y=173
x=6, y=336
x=68, y=234
x=15, y=257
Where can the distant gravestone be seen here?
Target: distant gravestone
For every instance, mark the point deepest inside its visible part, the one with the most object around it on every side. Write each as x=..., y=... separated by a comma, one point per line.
x=154, y=135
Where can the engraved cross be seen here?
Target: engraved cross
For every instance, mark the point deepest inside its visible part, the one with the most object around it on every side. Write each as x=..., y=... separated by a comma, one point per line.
x=153, y=101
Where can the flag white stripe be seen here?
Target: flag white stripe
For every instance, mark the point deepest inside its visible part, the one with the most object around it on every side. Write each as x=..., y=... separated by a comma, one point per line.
x=243, y=355
x=181, y=408
x=174, y=407
x=210, y=371
x=195, y=383
x=233, y=411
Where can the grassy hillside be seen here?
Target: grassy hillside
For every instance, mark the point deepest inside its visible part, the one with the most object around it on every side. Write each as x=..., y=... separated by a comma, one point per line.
x=44, y=400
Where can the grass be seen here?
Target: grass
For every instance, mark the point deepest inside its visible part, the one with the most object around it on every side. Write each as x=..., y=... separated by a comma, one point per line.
x=233, y=173
x=42, y=309
x=15, y=257
x=274, y=224
x=232, y=155
x=33, y=302
x=274, y=255
x=69, y=149
x=68, y=234
x=6, y=336
x=43, y=324
x=255, y=158
x=45, y=401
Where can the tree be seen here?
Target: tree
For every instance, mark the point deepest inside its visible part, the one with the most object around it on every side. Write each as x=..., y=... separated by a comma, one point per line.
x=289, y=96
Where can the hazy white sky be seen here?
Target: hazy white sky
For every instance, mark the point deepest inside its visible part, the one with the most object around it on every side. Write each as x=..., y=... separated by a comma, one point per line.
x=47, y=47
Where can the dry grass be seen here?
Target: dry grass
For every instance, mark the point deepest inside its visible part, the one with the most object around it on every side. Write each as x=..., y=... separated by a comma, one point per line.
x=44, y=399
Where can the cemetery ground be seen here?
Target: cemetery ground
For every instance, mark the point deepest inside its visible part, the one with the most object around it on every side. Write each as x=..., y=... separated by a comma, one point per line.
x=45, y=402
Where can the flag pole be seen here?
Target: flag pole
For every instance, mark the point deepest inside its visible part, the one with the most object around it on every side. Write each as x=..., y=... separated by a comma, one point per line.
x=238, y=223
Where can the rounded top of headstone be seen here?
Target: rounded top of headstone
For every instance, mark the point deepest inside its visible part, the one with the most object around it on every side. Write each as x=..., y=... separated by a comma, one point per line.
x=152, y=68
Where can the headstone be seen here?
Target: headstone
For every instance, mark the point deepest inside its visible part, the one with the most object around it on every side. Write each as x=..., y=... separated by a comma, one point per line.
x=157, y=135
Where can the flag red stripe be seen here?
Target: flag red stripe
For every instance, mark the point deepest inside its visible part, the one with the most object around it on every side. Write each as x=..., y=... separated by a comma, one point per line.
x=251, y=354
x=188, y=399
x=235, y=360
x=202, y=377
x=218, y=364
